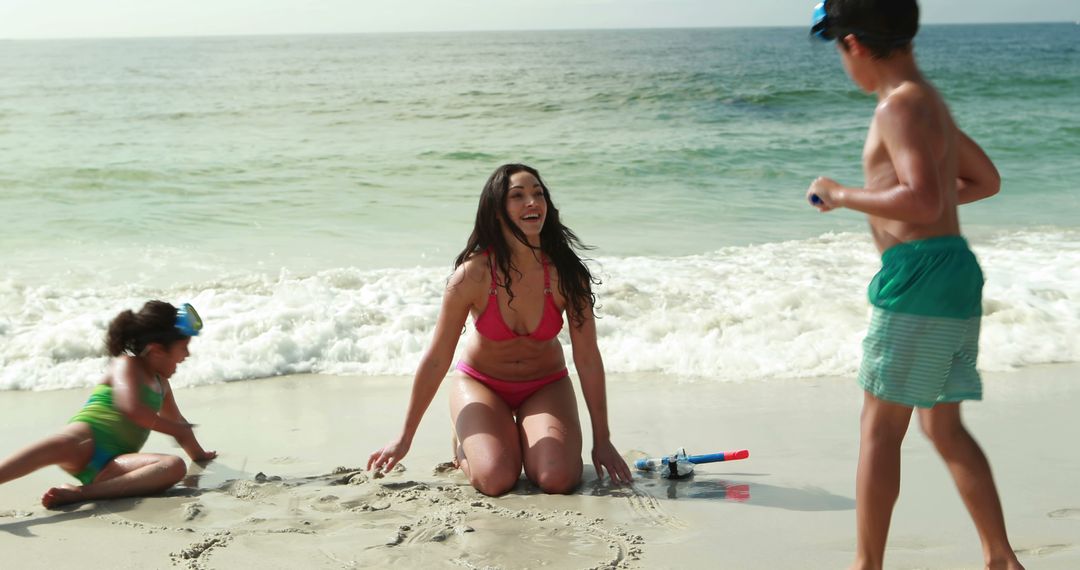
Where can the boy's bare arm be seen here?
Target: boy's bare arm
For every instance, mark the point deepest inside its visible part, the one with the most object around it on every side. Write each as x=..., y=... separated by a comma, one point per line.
x=976, y=176
x=905, y=130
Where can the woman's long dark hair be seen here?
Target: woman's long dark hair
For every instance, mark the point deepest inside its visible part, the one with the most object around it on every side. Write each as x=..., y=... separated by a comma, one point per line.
x=557, y=242
x=130, y=332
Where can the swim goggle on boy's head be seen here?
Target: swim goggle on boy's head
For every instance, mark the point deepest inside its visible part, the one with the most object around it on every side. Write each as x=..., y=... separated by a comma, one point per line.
x=188, y=321
x=819, y=24
x=824, y=29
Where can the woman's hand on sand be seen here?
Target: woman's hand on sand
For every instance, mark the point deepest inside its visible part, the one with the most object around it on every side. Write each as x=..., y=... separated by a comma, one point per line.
x=605, y=457
x=386, y=458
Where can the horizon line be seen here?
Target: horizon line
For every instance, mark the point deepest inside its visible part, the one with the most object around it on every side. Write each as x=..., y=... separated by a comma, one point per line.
x=492, y=30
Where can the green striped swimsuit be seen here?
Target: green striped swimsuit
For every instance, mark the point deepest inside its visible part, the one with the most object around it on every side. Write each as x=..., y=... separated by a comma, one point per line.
x=114, y=433
x=923, y=340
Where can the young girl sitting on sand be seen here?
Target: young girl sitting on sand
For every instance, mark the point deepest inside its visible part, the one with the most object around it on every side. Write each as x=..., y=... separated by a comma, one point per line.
x=512, y=404
x=100, y=446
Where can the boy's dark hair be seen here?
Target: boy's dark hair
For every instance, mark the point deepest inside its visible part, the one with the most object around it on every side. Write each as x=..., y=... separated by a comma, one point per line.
x=883, y=26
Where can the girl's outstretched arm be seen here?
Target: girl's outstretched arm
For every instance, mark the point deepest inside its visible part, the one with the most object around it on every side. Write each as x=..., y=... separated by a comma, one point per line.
x=125, y=384
x=171, y=412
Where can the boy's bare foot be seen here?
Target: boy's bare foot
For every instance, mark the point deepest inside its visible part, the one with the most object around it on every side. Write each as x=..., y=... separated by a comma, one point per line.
x=1012, y=564
x=62, y=495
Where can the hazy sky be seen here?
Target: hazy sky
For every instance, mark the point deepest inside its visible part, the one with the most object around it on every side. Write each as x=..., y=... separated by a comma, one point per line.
x=140, y=18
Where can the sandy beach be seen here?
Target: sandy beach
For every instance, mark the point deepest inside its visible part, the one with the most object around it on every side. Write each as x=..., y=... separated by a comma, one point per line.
x=288, y=490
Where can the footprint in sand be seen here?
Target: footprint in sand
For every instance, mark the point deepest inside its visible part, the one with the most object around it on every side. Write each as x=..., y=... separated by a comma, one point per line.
x=196, y=554
x=1064, y=514
x=193, y=511
x=1044, y=550
x=282, y=460
x=328, y=504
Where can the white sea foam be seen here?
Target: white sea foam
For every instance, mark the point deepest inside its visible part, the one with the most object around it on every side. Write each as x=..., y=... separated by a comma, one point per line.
x=777, y=310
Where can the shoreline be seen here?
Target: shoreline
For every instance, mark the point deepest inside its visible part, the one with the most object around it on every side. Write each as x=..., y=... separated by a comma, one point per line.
x=791, y=504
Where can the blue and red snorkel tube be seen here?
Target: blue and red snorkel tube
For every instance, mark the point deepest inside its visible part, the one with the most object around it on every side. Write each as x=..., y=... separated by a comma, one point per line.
x=679, y=464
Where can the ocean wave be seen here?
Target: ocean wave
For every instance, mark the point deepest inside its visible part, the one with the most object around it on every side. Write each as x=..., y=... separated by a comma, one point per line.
x=778, y=310
x=459, y=156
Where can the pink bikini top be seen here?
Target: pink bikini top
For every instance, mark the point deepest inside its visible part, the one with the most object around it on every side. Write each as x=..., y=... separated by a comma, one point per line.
x=491, y=325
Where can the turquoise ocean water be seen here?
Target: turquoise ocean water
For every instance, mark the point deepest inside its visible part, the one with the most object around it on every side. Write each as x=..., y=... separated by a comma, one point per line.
x=308, y=193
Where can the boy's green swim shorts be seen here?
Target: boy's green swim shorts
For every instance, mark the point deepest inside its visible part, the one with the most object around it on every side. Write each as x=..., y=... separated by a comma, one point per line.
x=923, y=340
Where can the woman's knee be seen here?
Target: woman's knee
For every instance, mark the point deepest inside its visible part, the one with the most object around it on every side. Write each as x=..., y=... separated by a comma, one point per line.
x=558, y=479
x=493, y=481
x=558, y=482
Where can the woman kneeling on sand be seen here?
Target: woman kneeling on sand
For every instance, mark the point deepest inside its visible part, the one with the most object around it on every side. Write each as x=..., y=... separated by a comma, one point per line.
x=100, y=446
x=512, y=403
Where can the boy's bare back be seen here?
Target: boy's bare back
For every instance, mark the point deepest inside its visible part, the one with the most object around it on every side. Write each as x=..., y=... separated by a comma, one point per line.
x=912, y=142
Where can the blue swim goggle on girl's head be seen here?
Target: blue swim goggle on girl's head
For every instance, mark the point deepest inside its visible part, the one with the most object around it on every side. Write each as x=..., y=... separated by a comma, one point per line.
x=188, y=321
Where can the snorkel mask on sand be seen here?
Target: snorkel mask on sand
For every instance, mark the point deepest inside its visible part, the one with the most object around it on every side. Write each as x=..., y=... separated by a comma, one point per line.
x=822, y=28
x=188, y=321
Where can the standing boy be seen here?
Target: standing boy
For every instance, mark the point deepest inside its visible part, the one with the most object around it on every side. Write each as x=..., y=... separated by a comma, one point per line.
x=922, y=343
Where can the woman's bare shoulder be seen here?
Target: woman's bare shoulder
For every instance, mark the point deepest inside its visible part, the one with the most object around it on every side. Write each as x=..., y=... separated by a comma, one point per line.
x=472, y=275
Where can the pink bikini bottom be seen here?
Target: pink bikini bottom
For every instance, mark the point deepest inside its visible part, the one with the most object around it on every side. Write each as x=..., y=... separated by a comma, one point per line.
x=512, y=392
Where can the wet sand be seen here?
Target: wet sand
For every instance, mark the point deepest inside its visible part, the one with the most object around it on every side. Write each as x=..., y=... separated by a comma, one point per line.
x=288, y=490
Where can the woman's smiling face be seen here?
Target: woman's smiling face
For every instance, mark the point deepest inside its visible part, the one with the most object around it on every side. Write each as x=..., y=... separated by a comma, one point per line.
x=526, y=206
